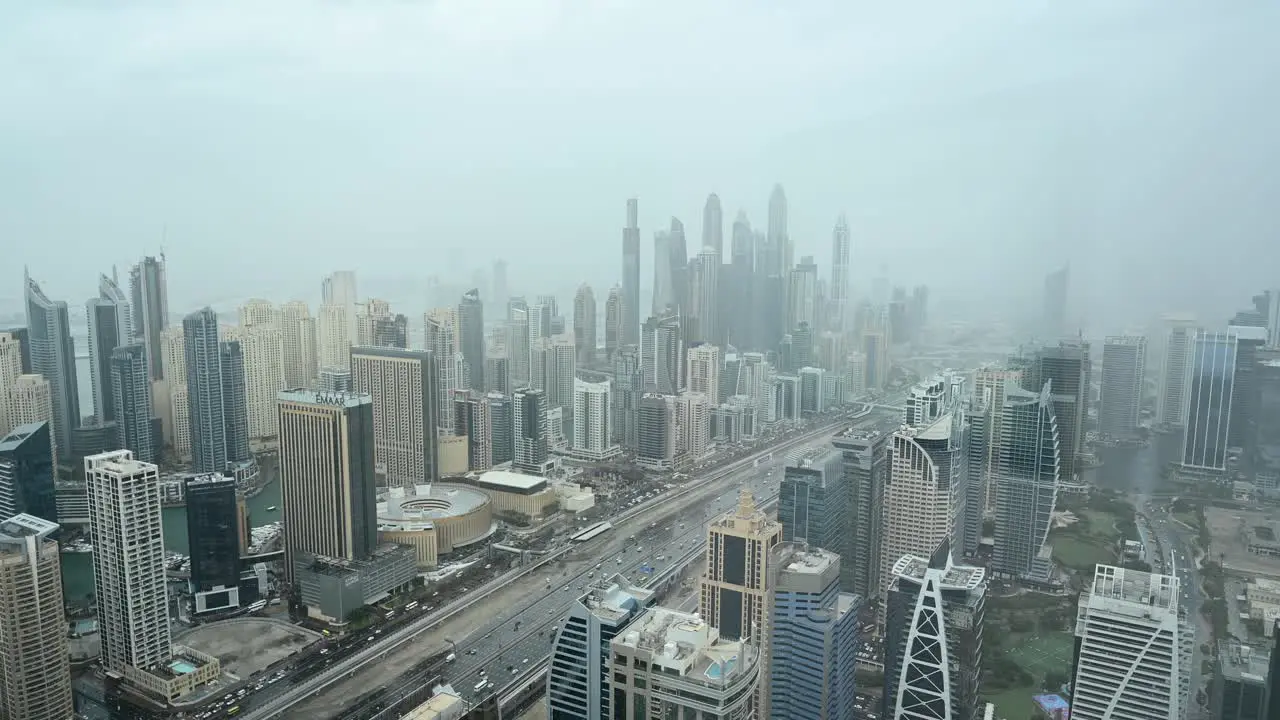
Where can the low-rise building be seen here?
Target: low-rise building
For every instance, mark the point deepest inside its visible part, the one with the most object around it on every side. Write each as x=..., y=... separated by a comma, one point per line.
x=518, y=498
x=332, y=588
x=186, y=670
x=434, y=519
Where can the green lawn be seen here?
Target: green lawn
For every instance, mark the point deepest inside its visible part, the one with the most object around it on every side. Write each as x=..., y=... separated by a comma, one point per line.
x=1081, y=553
x=1038, y=653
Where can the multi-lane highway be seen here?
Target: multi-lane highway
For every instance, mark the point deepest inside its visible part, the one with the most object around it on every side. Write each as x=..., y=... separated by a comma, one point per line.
x=487, y=640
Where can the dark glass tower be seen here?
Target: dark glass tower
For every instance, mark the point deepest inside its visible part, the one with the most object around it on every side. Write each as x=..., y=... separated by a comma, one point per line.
x=235, y=407
x=471, y=336
x=26, y=472
x=813, y=502
x=205, y=392
x=150, y=294
x=213, y=536
x=53, y=355
x=131, y=401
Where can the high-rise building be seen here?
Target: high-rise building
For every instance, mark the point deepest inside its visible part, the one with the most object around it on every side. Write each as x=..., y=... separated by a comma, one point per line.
x=109, y=327
x=733, y=591
x=874, y=346
x=1067, y=367
x=554, y=369
x=933, y=639
x=657, y=437
x=531, y=433
x=614, y=316
x=1124, y=364
x=128, y=562
x=1211, y=388
x=471, y=419
x=802, y=294
x=339, y=289
x=713, y=225
x=403, y=386
x=470, y=333
x=10, y=369
x=298, y=345
x=988, y=391
x=1054, y=318
x=335, y=335
x=30, y=401
x=235, y=402
x=500, y=425
x=678, y=252
x=840, y=251
x=628, y=388
x=664, y=291
x=811, y=650
x=149, y=289
x=131, y=397
x=924, y=489
x=501, y=291
x=704, y=364
x=703, y=313
x=813, y=501
x=1242, y=430
x=1027, y=472
x=213, y=539
x=977, y=415
x=671, y=664
x=173, y=344
x=694, y=423
x=593, y=421
x=53, y=356
x=262, y=346
x=584, y=324
x=1240, y=681
x=578, y=681
x=205, y=392
x=662, y=354
x=631, y=275
x=739, y=279
x=27, y=472
x=1133, y=648
x=865, y=456
x=35, y=670
x=327, y=476
x=1179, y=336
x=778, y=238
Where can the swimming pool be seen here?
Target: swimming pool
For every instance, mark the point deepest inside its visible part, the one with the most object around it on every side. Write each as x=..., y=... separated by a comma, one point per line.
x=182, y=667
x=718, y=670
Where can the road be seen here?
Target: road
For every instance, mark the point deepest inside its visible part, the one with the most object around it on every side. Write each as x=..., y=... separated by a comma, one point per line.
x=468, y=622
x=1177, y=556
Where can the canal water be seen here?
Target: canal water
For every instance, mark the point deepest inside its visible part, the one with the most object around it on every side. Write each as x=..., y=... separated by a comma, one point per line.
x=1135, y=470
x=77, y=568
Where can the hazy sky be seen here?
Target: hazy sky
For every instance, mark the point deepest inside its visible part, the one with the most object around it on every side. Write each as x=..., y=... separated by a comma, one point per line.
x=974, y=145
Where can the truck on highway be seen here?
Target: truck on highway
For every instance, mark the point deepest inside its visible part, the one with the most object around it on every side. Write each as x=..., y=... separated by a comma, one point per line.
x=450, y=657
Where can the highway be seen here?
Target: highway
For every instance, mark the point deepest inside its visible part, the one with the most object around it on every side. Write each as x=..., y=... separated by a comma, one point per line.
x=467, y=626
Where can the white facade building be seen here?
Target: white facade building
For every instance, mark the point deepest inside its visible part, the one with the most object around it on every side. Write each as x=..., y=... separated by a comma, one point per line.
x=704, y=371
x=334, y=328
x=262, y=348
x=695, y=424
x=259, y=312
x=10, y=369
x=1175, y=370
x=298, y=345
x=30, y=400
x=592, y=421
x=128, y=561
x=173, y=360
x=1135, y=647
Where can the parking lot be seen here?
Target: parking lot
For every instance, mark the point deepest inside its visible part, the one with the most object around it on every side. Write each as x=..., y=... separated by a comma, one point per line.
x=246, y=646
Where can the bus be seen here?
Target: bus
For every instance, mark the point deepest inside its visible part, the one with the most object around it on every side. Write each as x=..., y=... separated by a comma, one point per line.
x=411, y=605
x=481, y=685
x=233, y=710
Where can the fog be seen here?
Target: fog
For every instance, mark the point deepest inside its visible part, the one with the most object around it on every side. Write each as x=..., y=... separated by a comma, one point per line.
x=974, y=146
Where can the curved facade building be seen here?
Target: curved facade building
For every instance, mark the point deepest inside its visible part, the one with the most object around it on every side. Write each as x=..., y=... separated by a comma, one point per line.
x=434, y=519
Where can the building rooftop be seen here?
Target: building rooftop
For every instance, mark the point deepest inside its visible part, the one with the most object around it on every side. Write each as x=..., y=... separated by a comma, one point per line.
x=615, y=598
x=207, y=479
x=443, y=703
x=1243, y=663
x=1141, y=590
x=513, y=480
x=1248, y=332
x=939, y=429
x=954, y=577
x=118, y=461
x=324, y=397
x=23, y=526
x=686, y=646
x=17, y=435
x=399, y=508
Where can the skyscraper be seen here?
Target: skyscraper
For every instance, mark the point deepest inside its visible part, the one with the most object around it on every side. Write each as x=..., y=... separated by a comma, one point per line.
x=53, y=356
x=812, y=643
x=471, y=419
x=704, y=372
x=1133, y=648
x=631, y=275
x=149, y=289
x=554, y=370
x=327, y=476
x=739, y=283
x=933, y=639
x=27, y=472
x=205, y=392
x=128, y=562
x=988, y=390
x=531, y=434
x=1054, y=318
x=713, y=225
x=704, y=295
x=593, y=420
x=578, y=681
x=662, y=354
x=1175, y=370
x=813, y=501
x=177, y=428
x=1213, y=368
x=614, y=317
x=213, y=541
x=109, y=324
x=678, y=250
x=131, y=397
x=865, y=458
x=1067, y=367
x=10, y=369
x=339, y=289
x=733, y=591
x=335, y=335
x=802, y=294
x=664, y=291
x=35, y=672
x=298, y=345
x=628, y=388
x=1027, y=471
x=235, y=400
x=30, y=401
x=402, y=385
x=657, y=439
x=500, y=424
x=840, y=251
x=262, y=346
x=584, y=324
x=1124, y=364
x=501, y=292
x=470, y=331
x=779, y=240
